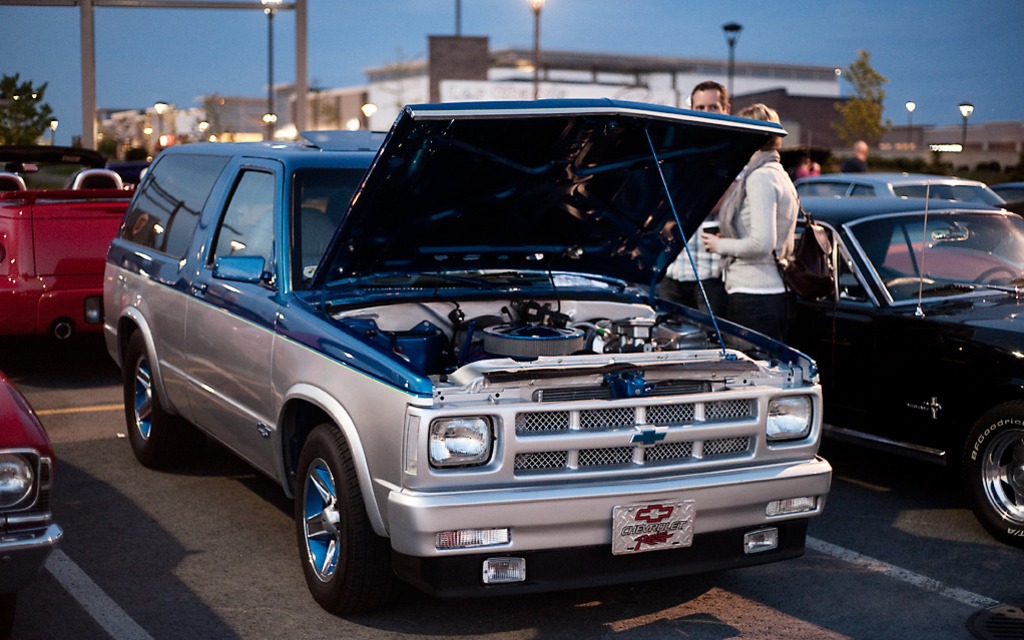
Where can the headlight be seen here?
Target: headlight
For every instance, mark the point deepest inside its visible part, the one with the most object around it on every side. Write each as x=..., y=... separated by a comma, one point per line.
x=789, y=418
x=16, y=479
x=460, y=442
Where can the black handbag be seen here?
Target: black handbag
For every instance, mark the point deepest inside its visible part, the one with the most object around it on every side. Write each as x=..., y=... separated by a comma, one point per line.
x=809, y=272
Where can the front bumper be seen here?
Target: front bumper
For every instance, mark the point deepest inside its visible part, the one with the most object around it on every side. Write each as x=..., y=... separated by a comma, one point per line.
x=22, y=554
x=549, y=520
x=576, y=568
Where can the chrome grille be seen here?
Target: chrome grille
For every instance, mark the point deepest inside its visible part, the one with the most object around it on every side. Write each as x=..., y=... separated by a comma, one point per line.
x=670, y=414
x=579, y=425
x=725, y=410
x=542, y=460
x=542, y=422
x=726, y=446
x=668, y=452
x=616, y=418
x=606, y=457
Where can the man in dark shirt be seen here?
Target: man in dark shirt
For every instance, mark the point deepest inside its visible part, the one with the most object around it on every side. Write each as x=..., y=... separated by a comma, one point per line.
x=858, y=162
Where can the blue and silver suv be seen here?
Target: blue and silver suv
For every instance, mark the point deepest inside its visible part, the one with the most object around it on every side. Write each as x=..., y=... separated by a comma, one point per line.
x=449, y=350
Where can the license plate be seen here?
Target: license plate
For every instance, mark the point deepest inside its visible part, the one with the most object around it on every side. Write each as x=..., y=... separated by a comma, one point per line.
x=652, y=527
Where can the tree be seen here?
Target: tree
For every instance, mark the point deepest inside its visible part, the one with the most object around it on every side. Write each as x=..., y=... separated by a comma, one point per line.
x=24, y=117
x=862, y=113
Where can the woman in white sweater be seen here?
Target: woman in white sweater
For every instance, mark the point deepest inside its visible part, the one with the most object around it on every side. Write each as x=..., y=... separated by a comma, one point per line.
x=757, y=221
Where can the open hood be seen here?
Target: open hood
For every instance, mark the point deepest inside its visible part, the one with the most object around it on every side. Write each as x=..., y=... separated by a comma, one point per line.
x=562, y=185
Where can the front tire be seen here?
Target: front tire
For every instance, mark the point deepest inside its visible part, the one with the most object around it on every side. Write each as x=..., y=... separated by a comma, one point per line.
x=347, y=566
x=993, y=472
x=158, y=439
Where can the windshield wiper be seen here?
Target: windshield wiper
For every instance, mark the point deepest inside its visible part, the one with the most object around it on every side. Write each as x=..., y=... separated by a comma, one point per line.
x=1015, y=288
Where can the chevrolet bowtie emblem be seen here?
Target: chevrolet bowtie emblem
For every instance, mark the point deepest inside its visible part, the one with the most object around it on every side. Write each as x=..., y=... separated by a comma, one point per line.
x=648, y=435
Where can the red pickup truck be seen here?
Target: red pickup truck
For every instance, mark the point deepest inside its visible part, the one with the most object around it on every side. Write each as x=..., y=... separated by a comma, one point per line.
x=59, y=210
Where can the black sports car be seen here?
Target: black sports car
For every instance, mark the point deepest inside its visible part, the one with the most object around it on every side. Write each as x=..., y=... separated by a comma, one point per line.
x=921, y=345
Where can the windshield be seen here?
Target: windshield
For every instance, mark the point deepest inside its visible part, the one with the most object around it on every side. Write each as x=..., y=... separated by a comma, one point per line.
x=954, y=249
x=972, y=193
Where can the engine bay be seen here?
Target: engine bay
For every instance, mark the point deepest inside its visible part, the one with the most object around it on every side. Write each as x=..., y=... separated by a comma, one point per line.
x=436, y=338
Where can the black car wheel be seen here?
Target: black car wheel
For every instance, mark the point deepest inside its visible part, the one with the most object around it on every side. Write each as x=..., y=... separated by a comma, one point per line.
x=158, y=439
x=347, y=566
x=993, y=471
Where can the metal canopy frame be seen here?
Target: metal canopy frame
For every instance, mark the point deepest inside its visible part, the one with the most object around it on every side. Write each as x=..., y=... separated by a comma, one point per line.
x=88, y=40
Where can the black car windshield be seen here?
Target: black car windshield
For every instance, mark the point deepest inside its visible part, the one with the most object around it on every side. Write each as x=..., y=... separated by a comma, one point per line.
x=953, y=249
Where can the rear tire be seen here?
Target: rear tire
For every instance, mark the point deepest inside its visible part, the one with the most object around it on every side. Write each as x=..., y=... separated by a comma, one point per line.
x=993, y=472
x=347, y=566
x=158, y=439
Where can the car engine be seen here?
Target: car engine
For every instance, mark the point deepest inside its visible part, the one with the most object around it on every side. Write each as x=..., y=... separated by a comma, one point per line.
x=444, y=340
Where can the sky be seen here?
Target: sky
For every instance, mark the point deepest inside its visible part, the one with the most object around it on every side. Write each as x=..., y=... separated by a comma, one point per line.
x=937, y=53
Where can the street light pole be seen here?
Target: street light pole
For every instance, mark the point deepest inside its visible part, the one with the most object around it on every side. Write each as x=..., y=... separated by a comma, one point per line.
x=536, y=5
x=966, y=109
x=911, y=105
x=732, y=34
x=160, y=108
x=270, y=8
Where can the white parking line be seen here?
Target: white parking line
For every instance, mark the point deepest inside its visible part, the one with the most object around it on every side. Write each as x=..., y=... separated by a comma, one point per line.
x=97, y=604
x=928, y=584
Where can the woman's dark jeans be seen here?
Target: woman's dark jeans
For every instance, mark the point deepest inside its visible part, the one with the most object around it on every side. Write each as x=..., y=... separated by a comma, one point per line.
x=763, y=313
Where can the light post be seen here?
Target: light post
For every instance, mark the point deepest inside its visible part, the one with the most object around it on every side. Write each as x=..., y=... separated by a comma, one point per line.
x=966, y=109
x=732, y=34
x=536, y=6
x=53, y=133
x=911, y=105
x=160, y=108
x=269, y=118
x=147, y=133
x=368, y=110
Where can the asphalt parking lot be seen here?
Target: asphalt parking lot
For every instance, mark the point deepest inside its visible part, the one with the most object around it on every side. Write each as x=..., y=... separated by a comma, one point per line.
x=210, y=551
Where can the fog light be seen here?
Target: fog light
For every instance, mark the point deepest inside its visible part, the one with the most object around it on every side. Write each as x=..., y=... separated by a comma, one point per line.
x=760, y=540
x=791, y=506
x=94, y=310
x=504, y=570
x=470, y=538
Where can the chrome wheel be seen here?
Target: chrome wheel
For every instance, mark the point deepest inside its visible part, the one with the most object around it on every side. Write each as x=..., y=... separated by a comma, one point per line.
x=1002, y=474
x=321, y=521
x=159, y=439
x=143, y=398
x=993, y=471
x=346, y=565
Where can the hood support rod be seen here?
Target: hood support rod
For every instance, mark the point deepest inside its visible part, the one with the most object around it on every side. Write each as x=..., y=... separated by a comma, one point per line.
x=686, y=246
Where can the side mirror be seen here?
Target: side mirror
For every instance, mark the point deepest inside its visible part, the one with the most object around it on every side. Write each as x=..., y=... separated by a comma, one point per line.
x=242, y=269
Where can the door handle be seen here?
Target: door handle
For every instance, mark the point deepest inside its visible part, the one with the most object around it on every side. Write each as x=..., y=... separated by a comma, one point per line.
x=199, y=289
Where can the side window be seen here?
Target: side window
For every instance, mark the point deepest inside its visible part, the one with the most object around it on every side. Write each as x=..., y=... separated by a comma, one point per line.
x=912, y=191
x=247, y=227
x=862, y=190
x=826, y=189
x=320, y=199
x=165, y=212
x=850, y=286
